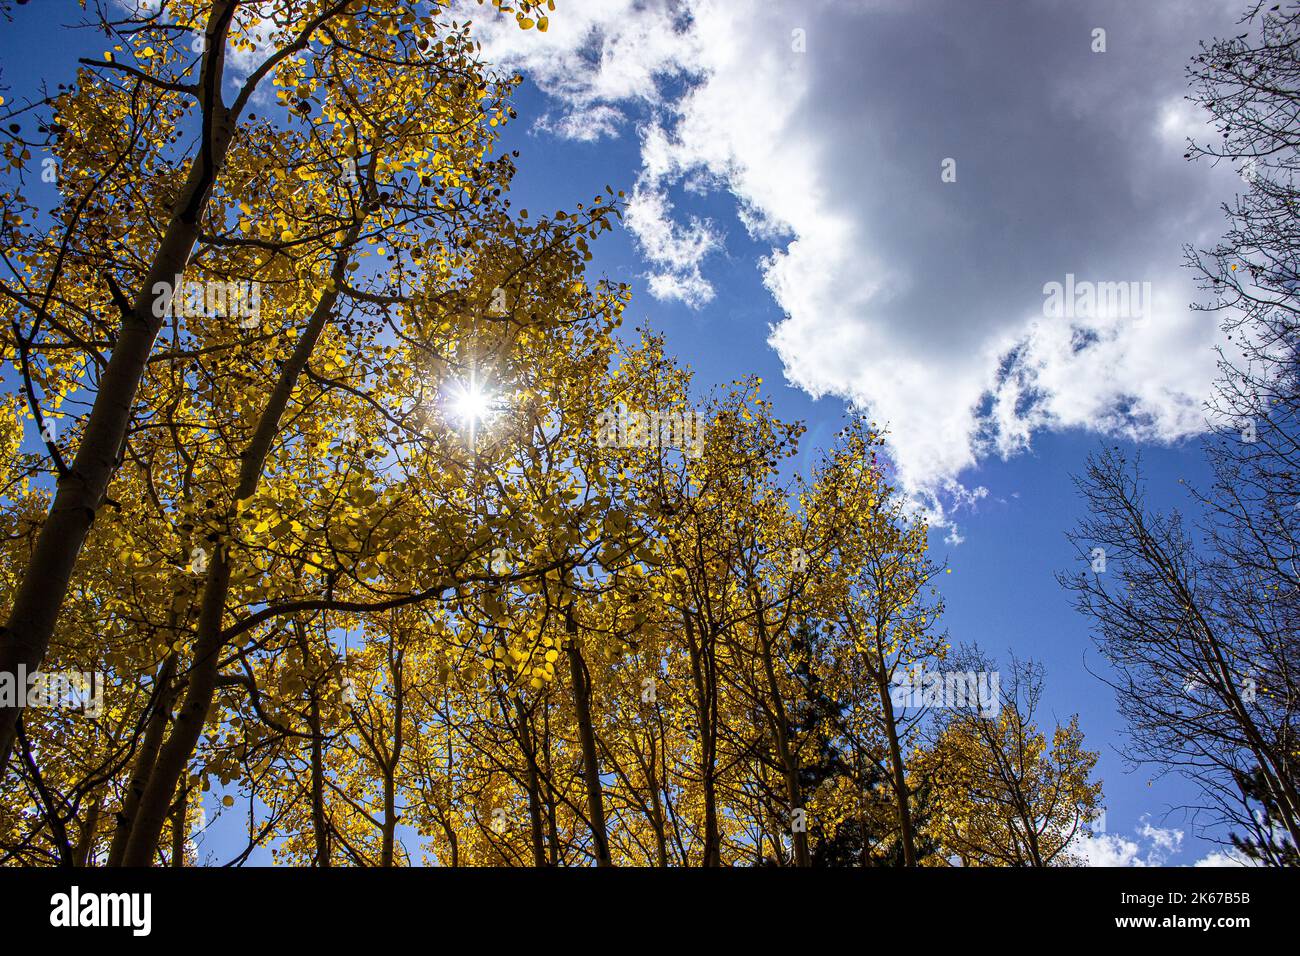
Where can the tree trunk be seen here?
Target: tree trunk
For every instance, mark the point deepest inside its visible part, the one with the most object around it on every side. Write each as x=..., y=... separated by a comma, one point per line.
x=534, y=787
x=145, y=758
x=320, y=830
x=897, y=768
x=785, y=751
x=390, y=820
x=178, y=825
x=82, y=852
x=702, y=673
x=394, y=760
x=590, y=762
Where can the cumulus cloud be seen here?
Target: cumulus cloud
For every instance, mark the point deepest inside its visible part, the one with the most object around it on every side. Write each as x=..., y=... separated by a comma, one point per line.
x=1108, y=849
x=921, y=300
x=1148, y=846
x=1229, y=857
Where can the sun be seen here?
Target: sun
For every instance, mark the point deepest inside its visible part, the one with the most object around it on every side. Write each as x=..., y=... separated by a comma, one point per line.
x=471, y=403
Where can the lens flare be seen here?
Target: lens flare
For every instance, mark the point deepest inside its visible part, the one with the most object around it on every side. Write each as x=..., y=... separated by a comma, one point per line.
x=471, y=404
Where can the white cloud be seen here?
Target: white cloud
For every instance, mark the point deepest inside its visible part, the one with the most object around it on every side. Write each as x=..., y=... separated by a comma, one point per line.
x=677, y=251
x=1149, y=846
x=918, y=299
x=1163, y=841
x=1152, y=846
x=598, y=122
x=1108, y=849
x=1229, y=857
x=592, y=53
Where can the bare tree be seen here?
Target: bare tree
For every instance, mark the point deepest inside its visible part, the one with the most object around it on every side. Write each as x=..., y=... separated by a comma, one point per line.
x=1201, y=676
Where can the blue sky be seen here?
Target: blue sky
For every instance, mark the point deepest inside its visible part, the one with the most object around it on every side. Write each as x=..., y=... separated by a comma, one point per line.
x=789, y=219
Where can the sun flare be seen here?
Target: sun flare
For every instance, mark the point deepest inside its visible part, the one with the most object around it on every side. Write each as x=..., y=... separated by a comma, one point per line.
x=471, y=403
